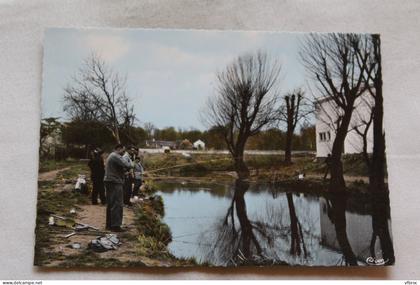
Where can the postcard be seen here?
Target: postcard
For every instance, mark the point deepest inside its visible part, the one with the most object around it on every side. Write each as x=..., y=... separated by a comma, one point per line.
x=180, y=148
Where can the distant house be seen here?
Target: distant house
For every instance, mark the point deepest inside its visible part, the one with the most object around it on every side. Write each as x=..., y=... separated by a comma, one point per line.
x=199, y=144
x=327, y=115
x=161, y=144
x=185, y=144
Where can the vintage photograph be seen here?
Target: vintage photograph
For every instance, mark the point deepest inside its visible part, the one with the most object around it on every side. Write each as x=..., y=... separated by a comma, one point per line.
x=172, y=148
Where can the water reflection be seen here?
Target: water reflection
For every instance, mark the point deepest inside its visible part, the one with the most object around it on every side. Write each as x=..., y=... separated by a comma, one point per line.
x=260, y=224
x=337, y=214
x=381, y=228
x=297, y=241
x=238, y=240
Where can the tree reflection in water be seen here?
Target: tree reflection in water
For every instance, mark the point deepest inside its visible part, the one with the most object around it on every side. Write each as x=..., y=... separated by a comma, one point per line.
x=237, y=240
x=380, y=215
x=380, y=228
x=337, y=215
x=297, y=241
x=290, y=235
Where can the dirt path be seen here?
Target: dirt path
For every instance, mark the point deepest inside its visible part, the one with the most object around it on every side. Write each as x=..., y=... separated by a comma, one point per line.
x=50, y=175
x=94, y=215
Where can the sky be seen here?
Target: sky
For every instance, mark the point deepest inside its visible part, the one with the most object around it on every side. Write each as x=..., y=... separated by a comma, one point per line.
x=170, y=73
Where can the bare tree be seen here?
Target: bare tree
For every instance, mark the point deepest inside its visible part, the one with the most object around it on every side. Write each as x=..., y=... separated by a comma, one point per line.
x=337, y=73
x=245, y=102
x=293, y=111
x=98, y=93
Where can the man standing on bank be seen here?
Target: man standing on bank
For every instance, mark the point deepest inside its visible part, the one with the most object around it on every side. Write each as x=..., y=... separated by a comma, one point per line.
x=115, y=169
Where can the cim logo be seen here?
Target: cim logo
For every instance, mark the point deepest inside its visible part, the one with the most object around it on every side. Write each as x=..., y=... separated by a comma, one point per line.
x=373, y=261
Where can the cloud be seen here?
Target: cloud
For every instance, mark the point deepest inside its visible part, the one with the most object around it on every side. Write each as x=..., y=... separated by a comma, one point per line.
x=110, y=47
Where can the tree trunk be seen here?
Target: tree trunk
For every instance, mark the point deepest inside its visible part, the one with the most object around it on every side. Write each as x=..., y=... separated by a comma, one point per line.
x=239, y=163
x=377, y=167
x=87, y=151
x=337, y=182
x=240, y=166
x=377, y=173
x=295, y=239
x=380, y=217
x=365, y=151
x=246, y=227
x=288, y=148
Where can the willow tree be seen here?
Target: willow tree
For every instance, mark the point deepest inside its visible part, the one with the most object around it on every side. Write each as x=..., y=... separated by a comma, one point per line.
x=244, y=103
x=293, y=111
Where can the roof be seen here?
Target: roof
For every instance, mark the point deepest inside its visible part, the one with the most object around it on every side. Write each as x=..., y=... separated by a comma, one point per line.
x=160, y=142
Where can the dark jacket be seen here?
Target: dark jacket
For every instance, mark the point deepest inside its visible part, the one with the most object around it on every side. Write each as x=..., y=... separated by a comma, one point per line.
x=97, y=168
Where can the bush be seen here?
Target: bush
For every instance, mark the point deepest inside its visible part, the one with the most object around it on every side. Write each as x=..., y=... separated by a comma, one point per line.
x=149, y=221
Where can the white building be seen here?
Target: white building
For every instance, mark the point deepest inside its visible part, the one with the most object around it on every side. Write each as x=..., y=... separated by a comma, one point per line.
x=327, y=114
x=199, y=144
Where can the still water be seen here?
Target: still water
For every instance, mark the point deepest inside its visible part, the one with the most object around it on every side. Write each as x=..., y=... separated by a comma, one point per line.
x=246, y=223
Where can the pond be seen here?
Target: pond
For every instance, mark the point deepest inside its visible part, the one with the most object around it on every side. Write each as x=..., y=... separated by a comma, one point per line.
x=245, y=223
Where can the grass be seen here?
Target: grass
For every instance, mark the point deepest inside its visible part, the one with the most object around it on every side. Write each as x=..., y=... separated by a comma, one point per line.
x=216, y=168
x=51, y=202
x=150, y=247
x=154, y=234
x=148, y=221
x=353, y=165
x=209, y=165
x=200, y=165
x=74, y=171
x=49, y=165
x=196, y=165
